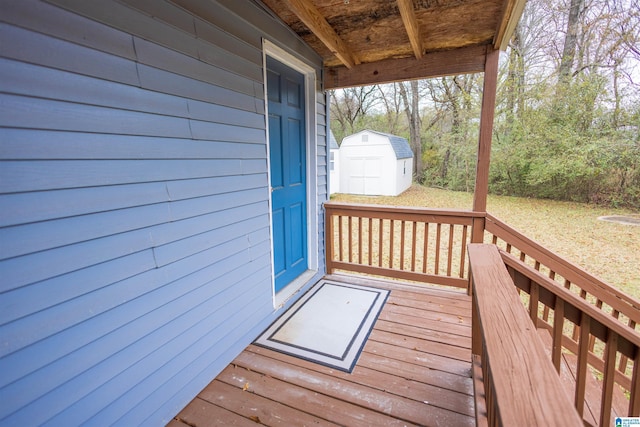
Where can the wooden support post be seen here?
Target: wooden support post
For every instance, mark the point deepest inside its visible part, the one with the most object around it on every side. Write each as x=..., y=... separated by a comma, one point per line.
x=477, y=229
x=477, y=236
x=486, y=130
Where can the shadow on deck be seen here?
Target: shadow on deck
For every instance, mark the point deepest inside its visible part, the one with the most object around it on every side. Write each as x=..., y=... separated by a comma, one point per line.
x=415, y=370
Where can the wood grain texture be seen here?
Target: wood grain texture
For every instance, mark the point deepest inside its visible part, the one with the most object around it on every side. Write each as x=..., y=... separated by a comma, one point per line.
x=523, y=381
x=411, y=26
x=433, y=64
x=487, y=113
x=307, y=12
x=617, y=300
x=402, y=377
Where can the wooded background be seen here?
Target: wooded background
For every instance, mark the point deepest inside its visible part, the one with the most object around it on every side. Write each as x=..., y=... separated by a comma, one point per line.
x=567, y=122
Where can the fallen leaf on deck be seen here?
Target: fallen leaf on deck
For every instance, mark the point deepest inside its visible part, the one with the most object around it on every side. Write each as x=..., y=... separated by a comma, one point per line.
x=246, y=387
x=255, y=418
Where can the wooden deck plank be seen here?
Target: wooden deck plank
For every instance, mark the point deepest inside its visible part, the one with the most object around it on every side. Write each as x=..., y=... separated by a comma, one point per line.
x=201, y=413
x=359, y=390
x=258, y=408
x=442, y=379
x=293, y=393
x=425, y=346
x=426, y=360
x=450, y=295
x=379, y=380
x=422, y=333
x=415, y=369
x=425, y=315
x=433, y=303
x=435, y=324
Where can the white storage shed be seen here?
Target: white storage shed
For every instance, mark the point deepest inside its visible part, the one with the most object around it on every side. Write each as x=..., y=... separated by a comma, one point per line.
x=375, y=163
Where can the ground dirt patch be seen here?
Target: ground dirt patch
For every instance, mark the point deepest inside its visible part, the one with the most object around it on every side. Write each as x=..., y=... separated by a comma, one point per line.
x=622, y=219
x=607, y=250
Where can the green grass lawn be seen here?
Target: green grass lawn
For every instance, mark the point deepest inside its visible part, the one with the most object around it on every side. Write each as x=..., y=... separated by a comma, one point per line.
x=607, y=250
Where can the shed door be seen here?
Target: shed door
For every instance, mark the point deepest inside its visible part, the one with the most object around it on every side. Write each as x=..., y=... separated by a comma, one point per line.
x=285, y=89
x=365, y=176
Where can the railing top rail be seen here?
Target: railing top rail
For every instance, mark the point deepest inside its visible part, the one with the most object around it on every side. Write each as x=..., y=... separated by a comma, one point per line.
x=526, y=387
x=598, y=315
x=361, y=207
x=599, y=286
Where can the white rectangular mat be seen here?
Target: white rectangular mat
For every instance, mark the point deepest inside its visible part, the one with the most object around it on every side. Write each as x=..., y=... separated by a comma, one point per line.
x=329, y=325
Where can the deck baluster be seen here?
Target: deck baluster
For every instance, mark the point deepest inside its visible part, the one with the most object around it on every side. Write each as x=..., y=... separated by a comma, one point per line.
x=380, y=240
x=392, y=231
x=610, y=353
x=450, y=250
x=414, y=239
x=634, y=400
x=402, y=244
x=370, y=247
x=558, y=328
x=340, y=238
x=360, y=249
x=463, y=250
x=437, y=260
x=425, y=251
x=581, y=368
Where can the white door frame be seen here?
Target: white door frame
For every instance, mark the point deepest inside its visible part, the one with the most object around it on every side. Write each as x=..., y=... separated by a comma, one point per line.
x=281, y=55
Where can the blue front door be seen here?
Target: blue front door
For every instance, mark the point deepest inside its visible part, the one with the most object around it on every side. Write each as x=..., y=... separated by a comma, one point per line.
x=285, y=90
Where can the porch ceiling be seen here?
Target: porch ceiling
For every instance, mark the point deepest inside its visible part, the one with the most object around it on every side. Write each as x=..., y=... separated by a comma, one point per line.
x=374, y=41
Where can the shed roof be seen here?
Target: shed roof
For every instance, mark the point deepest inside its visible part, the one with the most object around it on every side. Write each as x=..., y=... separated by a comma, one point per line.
x=373, y=41
x=400, y=145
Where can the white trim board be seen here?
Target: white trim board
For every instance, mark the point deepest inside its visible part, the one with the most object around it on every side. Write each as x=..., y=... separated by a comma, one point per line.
x=280, y=54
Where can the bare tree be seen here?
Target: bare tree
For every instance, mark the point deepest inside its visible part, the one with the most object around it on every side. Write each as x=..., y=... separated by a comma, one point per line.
x=351, y=104
x=411, y=100
x=392, y=104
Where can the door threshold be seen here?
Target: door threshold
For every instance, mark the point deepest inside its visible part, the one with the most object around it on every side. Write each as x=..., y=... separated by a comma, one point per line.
x=292, y=288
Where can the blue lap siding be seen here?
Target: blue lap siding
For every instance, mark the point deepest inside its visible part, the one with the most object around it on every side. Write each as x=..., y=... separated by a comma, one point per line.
x=135, y=245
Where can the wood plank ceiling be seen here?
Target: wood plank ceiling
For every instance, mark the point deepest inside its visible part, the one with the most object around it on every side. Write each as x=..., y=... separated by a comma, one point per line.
x=375, y=41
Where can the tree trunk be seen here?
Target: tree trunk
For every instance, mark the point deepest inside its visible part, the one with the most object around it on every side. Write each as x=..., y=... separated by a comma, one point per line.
x=515, y=81
x=412, y=110
x=568, y=52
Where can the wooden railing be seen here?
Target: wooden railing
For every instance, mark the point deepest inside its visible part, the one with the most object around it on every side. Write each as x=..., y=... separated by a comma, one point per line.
x=426, y=245
x=589, y=327
x=621, y=307
x=519, y=383
x=624, y=308
x=586, y=343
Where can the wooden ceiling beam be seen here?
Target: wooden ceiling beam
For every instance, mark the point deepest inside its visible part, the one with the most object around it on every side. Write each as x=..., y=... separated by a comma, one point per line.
x=410, y=21
x=435, y=64
x=313, y=19
x=511, y=13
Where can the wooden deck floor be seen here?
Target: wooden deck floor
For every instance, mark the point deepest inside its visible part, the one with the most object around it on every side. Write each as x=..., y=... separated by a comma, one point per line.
x=415, y=370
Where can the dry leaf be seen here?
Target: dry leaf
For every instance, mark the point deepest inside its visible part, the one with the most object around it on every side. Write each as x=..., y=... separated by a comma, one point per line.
x=246, y=387
x=255, y=418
